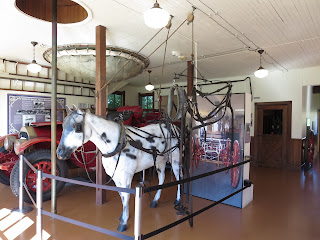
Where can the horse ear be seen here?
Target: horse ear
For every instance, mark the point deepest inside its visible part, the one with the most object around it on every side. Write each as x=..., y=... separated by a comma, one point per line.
x=68, y=110
x=74, y=107
x=79, y=111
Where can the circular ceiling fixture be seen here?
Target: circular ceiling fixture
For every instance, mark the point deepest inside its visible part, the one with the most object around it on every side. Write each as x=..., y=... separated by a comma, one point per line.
x=80, y=61
x=69, y=11
x=156, y=17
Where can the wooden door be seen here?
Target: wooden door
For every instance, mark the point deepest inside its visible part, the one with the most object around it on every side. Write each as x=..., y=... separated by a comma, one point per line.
x=272, y=134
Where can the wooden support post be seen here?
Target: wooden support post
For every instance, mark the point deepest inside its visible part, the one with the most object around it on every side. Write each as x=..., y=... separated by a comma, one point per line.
x=190, y=78
x=101, y=103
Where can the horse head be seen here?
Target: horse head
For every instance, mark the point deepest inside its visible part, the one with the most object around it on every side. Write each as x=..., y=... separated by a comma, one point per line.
x=74, y=133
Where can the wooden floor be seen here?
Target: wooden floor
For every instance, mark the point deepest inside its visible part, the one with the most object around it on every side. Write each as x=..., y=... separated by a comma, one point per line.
x=286, y=205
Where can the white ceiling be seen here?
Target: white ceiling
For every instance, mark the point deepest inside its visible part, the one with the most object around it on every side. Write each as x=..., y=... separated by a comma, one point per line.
x=288, y=30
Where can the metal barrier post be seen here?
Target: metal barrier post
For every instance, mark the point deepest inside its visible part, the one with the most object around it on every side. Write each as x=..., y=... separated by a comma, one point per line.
x=39, y=204
x=137, y=213
x=21, y=208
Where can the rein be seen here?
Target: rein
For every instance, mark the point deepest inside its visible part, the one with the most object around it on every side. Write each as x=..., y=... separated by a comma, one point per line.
x=153, y=151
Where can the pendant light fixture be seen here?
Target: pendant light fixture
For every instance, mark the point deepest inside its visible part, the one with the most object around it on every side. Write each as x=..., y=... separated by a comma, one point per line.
x=156, y=17
x=261, y=72
x=149, y=86
x=34, y=67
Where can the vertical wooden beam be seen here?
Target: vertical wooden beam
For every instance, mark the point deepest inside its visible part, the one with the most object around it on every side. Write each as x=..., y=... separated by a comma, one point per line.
x=190, y=78
x=101, y=103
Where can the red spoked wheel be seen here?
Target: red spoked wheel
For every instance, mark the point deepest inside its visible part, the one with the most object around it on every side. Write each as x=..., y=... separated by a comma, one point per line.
x=31, y=177
x=235, y=172
x=225, y=154
x=311, y=148
x=40, y=159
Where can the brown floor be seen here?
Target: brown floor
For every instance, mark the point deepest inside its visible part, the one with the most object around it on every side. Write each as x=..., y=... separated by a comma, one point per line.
x=286, y=205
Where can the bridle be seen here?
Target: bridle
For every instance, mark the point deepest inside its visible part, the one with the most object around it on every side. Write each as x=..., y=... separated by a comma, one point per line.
x=79, y=128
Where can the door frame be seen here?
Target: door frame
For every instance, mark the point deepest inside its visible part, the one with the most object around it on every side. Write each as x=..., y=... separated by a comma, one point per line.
x=285, y=105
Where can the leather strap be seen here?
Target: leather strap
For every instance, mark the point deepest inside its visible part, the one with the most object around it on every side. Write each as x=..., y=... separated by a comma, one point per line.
x=120, y=145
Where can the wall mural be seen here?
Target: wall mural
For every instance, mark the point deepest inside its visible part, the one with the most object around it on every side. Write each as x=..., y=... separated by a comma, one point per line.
x=24, y=109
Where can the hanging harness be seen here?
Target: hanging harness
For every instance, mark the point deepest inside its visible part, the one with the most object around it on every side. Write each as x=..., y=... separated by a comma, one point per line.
x=154, y=151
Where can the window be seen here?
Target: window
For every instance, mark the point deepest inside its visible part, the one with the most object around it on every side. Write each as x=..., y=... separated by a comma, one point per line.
x=116, y=100
x=146, y=100
x=272, y=122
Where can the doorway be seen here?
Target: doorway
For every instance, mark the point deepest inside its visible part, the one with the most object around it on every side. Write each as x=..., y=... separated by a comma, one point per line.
x=272, y=134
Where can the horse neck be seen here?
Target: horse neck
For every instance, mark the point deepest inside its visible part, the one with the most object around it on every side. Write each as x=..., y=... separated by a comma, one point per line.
x=104, y=133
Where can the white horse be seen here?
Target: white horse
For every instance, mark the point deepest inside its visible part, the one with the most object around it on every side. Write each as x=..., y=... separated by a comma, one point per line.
x=117, y=140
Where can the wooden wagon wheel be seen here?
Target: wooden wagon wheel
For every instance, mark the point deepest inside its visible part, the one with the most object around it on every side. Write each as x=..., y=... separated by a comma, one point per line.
x=225, y=154
x=235, y=172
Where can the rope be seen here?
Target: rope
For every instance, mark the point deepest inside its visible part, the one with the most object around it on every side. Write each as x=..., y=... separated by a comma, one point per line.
x=190, y=179
x=160, y=230
x=164, y=58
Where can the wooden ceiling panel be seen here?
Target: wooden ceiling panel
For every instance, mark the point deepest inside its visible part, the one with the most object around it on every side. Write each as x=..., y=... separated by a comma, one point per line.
x=68, y=11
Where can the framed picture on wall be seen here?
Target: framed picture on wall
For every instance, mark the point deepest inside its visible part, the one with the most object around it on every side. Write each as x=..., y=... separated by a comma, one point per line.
x=25, y=109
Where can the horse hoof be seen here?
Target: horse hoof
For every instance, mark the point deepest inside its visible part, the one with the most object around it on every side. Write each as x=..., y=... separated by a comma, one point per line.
x=122, y=227
x=154, y=204
x=177, y=202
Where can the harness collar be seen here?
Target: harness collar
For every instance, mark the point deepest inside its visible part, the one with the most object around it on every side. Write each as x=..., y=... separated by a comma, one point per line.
x=121, y=144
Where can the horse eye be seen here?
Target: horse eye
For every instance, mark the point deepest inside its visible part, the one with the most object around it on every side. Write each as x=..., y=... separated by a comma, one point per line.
x=78, y=128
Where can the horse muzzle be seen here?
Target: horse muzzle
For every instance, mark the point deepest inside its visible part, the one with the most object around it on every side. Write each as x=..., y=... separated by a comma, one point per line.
x=63, y=153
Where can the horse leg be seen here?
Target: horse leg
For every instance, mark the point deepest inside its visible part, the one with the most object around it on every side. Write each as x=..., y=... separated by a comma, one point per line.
x=161, y=175
x=125, y=212
x=176, y=171
x=125, y=182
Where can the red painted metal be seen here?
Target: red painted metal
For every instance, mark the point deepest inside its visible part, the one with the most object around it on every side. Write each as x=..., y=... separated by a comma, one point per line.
x=235, y=172
x=44, y=130
x=7, y=161
x=41, y=124
x=32, y=142
x=225, y=154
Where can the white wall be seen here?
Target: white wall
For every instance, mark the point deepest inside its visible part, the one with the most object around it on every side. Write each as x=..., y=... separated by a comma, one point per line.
x=131, y=95
x=4, y=104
